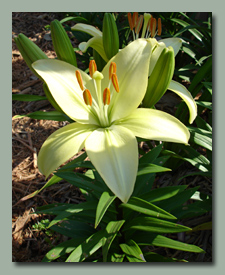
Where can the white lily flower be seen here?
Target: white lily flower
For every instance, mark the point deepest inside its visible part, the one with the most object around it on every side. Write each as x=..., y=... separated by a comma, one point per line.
x=105, y=108
x=96, y=43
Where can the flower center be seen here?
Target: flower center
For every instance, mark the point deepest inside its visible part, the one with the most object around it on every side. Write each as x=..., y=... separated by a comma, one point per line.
x=99, y=99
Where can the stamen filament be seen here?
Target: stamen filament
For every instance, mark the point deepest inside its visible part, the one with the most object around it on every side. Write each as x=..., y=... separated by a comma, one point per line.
x=79, y=79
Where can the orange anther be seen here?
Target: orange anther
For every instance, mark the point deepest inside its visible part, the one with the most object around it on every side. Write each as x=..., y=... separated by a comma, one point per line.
x=115, y=82
x=112, y=69
x=92, y=67
x=106, y=96
x=139, y=24
x=135, y=18
x=153, y=26
x=79, y=79
x=87, y=97
x=159, y=26
x=130, y=21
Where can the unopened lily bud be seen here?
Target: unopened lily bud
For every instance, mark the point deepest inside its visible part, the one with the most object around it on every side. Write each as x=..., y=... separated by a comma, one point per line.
x=160, y=77
x=29, y=50
x=62, y=44
x=110, y=36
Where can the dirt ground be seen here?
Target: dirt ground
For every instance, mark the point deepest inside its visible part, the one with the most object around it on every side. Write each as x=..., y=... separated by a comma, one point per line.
x=28, y=243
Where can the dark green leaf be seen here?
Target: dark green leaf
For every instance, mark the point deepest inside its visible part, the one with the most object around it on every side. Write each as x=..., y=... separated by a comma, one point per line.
x=112, y=230
x=154, y=225
x=28, y=97
x=147, y=208
x=52, y=115
x=103, y=204
x=132, y=251
x=162, y=241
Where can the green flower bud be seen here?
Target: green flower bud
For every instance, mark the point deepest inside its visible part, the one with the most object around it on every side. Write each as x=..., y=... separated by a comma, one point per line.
x=62, y=44
x=29, y=50
x=110, y=36
x=160, y=77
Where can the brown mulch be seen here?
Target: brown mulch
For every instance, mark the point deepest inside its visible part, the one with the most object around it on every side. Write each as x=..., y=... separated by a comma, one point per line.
x=28, y=243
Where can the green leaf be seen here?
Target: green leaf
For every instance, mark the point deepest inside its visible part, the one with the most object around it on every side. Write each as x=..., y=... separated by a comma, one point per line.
x=154, y=257
x=147, y=208
x=112, y=229
x=162, y=241
x=151, y=155
x=103, y=204
x=201, y=137
x=195, y=158
x=55, y=179
x=163, y=193
x=117, y=258
x=205, y=104
x=73, y=229
x=178, y=200
x=202, y=124
x=52, y=115
x=28, y=97
x=192, y=29
x=154, y=225
x=62, y=249
x=80, y=181
x=72, y=209
x=132, y=251
x=147, y=168
x=88, y=247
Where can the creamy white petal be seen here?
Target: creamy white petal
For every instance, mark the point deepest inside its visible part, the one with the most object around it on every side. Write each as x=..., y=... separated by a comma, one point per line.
x=132, y=71
x=156, y=125
x=62, y=145
x=87, y=29
x=180, y=90
x=97, y=44
x=114, y=153
x=175, y=43
x=63, y=85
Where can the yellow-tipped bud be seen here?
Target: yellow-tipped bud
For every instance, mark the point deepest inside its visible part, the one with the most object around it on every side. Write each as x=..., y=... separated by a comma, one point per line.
x=115, y=82
x=92, y=67
x=79, y=79
x=106, y=96
x=87, y=97
x=112, y=69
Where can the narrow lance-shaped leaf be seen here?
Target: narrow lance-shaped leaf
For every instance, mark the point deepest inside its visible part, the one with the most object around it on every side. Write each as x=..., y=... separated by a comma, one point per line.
x=132, y=251
x=112, y=229
x=147, y=208
x=103, y=204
